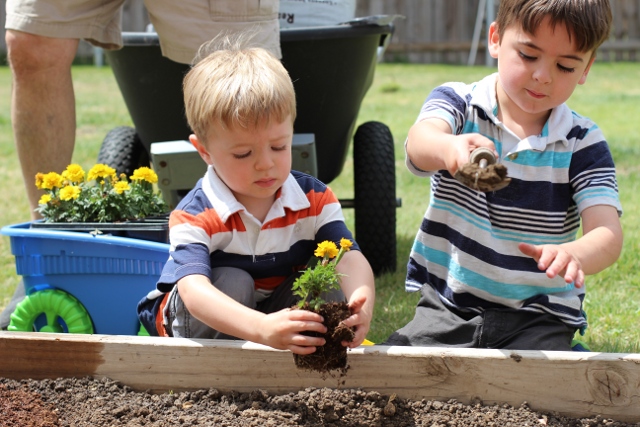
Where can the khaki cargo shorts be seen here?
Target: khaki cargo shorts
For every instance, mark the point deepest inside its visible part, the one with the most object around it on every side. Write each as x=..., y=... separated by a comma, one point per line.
x=182, y=25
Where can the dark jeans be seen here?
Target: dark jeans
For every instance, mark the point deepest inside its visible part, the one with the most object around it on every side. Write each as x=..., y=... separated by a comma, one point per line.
x=436, y=325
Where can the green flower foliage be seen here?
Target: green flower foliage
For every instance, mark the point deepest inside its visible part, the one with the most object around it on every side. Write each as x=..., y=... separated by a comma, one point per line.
x=322, y=276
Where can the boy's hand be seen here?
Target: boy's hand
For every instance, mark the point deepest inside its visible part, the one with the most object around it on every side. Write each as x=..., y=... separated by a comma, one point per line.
x=358, y=319
x=555, y=260
x=283, y=330
x=461, y=149
x=432, y=146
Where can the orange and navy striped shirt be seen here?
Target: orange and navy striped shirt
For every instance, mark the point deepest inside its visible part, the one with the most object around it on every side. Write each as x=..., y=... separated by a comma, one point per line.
x=209, y=228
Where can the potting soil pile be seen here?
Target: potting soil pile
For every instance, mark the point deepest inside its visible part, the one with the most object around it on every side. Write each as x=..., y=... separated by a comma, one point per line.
x=84, y=402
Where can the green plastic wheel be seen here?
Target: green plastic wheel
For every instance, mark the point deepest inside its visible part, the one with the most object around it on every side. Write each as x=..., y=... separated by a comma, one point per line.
x=142, y=332
x=56, y=305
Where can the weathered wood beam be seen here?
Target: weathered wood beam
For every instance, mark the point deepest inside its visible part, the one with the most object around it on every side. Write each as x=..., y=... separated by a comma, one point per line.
x=570, y=383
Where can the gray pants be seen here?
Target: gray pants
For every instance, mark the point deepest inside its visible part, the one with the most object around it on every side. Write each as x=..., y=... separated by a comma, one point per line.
x=436, y=325
x=239, y=285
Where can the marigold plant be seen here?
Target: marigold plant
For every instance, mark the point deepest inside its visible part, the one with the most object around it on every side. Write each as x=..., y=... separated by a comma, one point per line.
x=321, y=277
x=99, y=195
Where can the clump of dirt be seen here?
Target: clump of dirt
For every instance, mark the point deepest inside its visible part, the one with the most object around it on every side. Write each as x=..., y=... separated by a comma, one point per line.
x=86, y=402
x=333, y=355
x=486, y=179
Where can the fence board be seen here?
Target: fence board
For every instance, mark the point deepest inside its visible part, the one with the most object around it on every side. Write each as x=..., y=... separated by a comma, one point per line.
x=433, y=31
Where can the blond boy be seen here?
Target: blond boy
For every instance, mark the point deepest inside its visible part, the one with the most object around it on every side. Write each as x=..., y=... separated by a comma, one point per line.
x=240, y=237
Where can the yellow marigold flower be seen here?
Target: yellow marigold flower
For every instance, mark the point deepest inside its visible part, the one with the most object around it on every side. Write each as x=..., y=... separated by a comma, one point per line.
x=326, y=249
x=100, y=171
x=39, y=180
x=74, y=173
x=51, y=180
x=346, y=244
x=44, y=199
x=144, y=174
x=69, y=192
x=121, y=186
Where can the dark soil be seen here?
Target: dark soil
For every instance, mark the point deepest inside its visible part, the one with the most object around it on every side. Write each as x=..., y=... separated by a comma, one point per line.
x=333, y=355
x=85, y=402
x=491, y=178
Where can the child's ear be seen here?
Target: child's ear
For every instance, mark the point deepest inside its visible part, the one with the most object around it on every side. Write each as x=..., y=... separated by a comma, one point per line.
x=494, y=40
x=583, y=79
x=201, y=148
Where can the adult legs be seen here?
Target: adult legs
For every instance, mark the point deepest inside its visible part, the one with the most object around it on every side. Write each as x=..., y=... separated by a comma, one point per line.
x=42, y=105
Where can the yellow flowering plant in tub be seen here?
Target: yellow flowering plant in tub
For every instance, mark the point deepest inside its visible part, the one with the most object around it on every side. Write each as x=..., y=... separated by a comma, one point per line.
x=321, y=277
x=99, y=195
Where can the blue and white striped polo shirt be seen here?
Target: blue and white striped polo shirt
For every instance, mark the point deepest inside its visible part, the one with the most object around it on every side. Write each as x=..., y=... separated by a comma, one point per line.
x=467, y=245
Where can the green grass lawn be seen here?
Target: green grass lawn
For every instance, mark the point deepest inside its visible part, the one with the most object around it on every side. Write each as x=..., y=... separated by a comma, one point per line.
x=611, y=97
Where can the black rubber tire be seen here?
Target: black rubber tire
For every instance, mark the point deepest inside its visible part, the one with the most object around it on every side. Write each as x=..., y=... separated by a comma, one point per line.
x=122, y=150
x=375, y=195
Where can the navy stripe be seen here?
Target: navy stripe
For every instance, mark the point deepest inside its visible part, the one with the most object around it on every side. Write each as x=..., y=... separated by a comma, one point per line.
x=477, y=250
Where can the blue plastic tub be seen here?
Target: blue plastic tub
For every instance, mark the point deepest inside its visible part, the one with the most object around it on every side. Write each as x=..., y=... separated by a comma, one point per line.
x=107, y=274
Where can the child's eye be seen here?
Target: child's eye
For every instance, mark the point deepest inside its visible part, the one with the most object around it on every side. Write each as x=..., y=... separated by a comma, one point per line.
x=280, y=148
x=566, y=69
x=242, y=156
x=527, y=57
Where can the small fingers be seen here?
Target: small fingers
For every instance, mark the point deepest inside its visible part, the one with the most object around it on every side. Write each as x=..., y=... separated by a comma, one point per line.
x=352, y=320
x=300, y=340
x=551, y=262
x=357, y=339
x=530, y=250
x=579, y=282
x=356, y=305
x=574, y=274
x=302, y=350
x=310, y=326
x=304, y=315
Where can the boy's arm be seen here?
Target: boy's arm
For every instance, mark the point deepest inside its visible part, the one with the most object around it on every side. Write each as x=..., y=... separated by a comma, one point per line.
x=431, y=146
x=281, y=330
x=358, y=286
x=598, y=248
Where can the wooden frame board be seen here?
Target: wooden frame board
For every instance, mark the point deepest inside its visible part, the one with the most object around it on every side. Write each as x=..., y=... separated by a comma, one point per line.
x=570, y=383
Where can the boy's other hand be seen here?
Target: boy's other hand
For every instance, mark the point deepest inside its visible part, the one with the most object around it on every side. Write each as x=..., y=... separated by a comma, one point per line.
x=555, y=260
x=283, y=330
x=359, y=320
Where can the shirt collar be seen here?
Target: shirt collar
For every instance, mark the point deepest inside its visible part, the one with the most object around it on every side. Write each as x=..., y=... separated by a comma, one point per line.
x=556, y=129
x=289, y=196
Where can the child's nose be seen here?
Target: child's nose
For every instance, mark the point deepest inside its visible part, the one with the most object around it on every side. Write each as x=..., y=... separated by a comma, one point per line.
x=264, y=161
x=542, y=74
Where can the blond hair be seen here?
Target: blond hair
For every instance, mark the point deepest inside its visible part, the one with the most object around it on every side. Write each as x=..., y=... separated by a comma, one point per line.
x=233, y=84
x=588, y=21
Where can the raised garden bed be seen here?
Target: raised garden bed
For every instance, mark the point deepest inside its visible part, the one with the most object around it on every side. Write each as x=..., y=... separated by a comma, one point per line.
x=566, y=383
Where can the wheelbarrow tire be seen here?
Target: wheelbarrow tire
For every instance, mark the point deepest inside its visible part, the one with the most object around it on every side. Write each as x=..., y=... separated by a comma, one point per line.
x=55, y=304
x=123, y=150
x=375, y=195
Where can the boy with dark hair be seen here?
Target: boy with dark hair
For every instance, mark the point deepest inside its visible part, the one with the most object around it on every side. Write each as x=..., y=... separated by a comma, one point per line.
x=506, y=269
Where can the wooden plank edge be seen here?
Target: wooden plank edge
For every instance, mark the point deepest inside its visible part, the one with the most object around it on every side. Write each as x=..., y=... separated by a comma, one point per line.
x=569, y=383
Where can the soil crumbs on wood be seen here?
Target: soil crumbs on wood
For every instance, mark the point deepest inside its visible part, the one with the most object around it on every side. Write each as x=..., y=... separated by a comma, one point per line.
x=81, y=402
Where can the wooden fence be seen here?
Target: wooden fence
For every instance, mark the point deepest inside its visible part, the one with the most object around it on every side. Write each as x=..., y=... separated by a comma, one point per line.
x=434, y=31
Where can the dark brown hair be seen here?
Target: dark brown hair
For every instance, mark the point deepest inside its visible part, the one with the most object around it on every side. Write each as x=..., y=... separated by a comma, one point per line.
x=588, y=21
